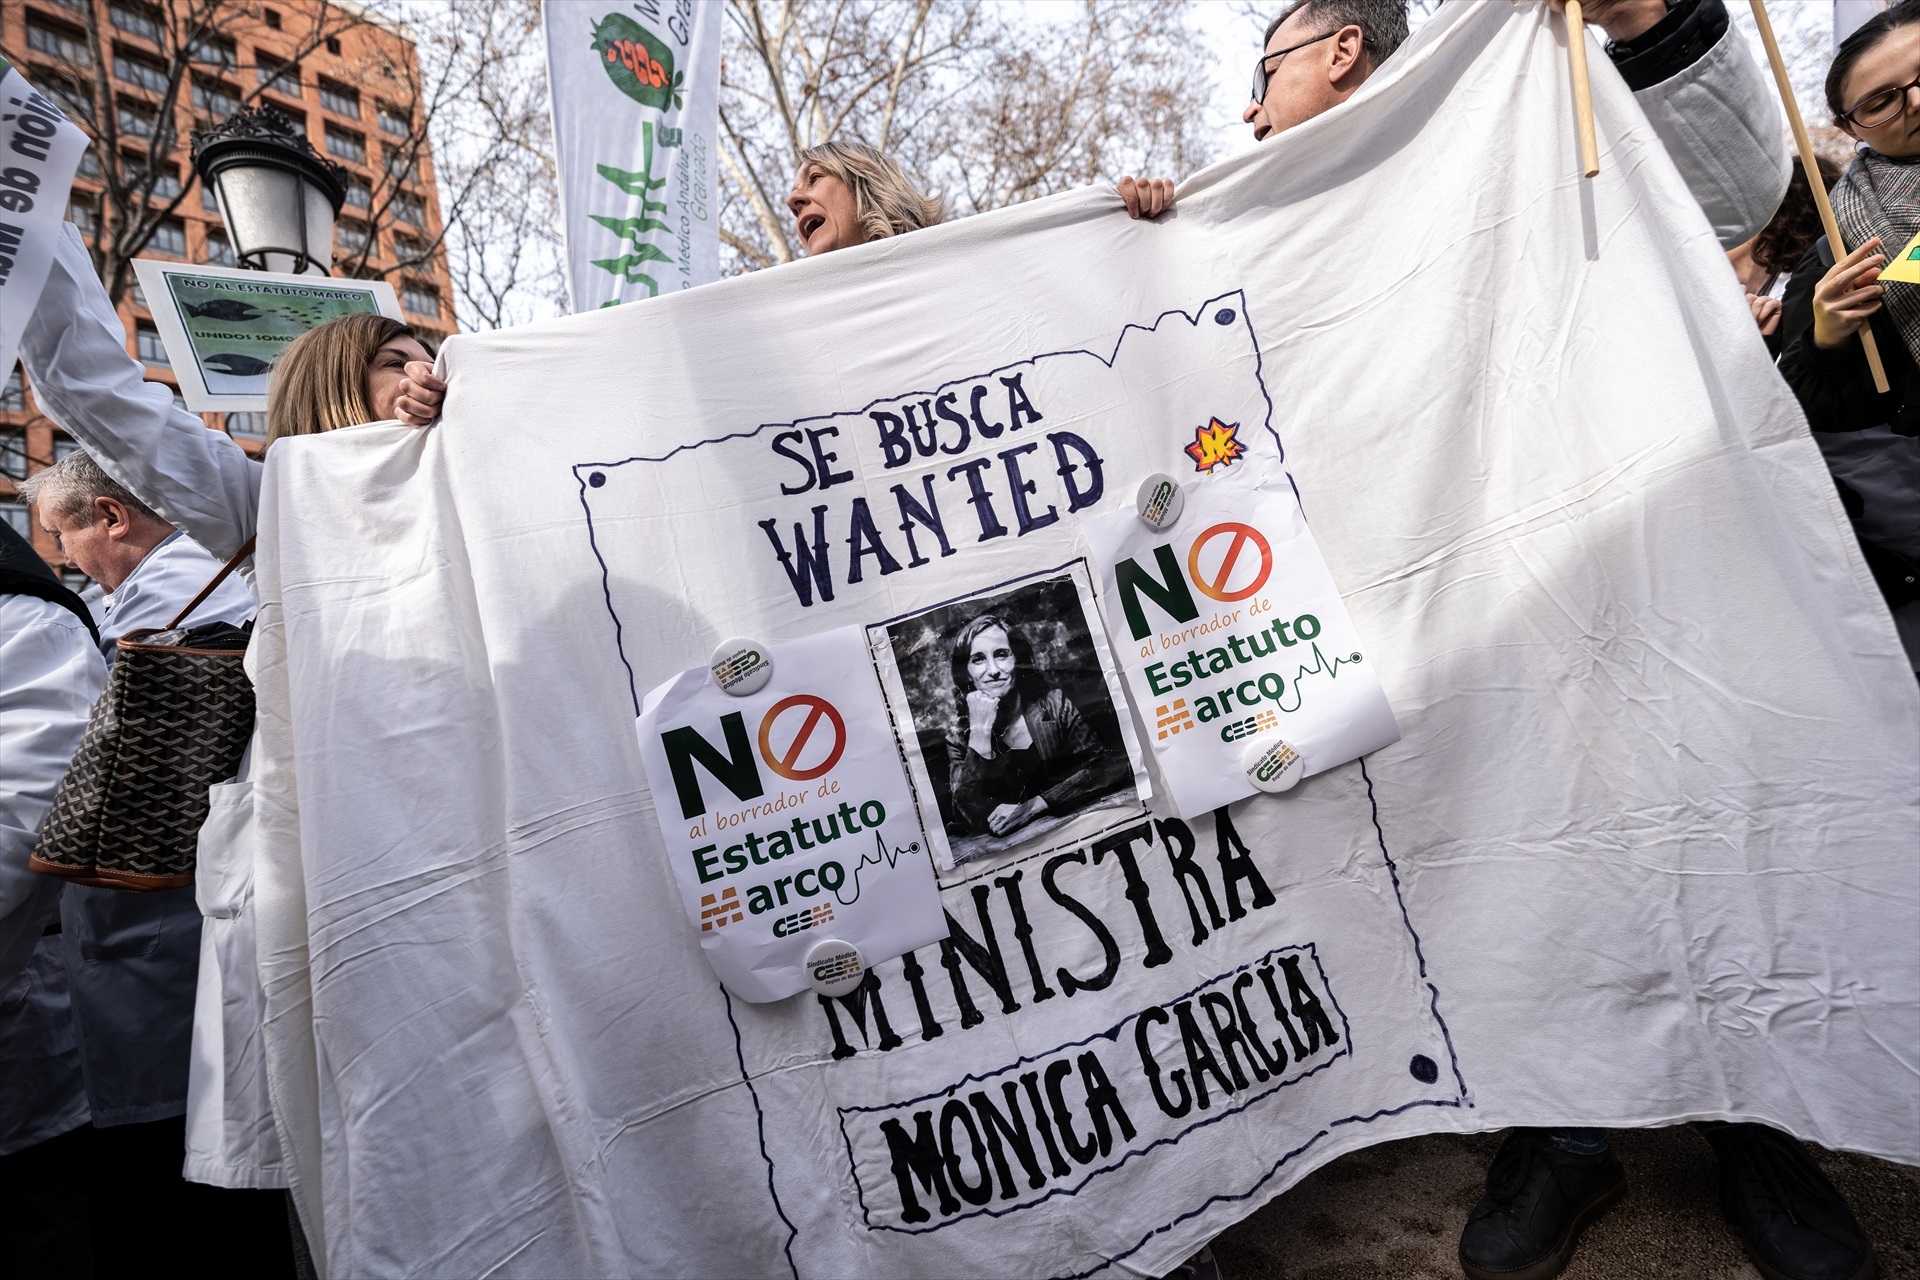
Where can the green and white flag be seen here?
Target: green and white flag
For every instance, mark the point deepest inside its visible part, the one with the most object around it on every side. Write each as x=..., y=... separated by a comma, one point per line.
x=635, y=113
x=39, y=151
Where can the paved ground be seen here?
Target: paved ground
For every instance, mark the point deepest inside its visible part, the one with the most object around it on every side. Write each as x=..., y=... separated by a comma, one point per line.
x=1394, y=1212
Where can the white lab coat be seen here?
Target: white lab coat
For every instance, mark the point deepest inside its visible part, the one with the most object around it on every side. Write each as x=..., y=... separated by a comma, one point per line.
x=50, y=674
x=201, y=482
x=162, y=583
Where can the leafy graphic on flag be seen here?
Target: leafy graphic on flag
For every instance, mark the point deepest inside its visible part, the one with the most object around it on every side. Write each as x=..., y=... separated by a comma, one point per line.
x=1214, y=445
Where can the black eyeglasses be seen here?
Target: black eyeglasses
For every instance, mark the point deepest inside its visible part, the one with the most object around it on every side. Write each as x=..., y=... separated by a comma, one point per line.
x=1260, y=71
x=1877, y=108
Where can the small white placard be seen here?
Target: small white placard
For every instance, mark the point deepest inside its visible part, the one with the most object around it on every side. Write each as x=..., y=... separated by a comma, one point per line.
x=224, y=327
x=1230, y=631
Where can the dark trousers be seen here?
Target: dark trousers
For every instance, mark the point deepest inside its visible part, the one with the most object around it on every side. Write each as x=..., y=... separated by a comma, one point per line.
x=111, y=1202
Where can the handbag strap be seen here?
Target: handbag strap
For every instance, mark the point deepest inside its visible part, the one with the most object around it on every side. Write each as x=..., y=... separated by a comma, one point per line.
x=246, y=549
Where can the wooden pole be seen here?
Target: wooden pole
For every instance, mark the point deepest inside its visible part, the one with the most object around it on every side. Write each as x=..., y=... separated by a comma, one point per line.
x=1582, y=89
x=1812, y=168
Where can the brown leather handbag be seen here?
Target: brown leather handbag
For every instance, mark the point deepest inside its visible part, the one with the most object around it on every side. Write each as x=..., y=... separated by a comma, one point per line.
x=174, y=720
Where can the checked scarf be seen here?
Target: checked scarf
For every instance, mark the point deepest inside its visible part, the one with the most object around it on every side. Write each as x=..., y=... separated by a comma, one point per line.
x=1878, y=196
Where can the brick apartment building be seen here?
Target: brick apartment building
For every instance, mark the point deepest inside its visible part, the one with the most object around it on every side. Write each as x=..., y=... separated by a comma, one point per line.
x=349, y=82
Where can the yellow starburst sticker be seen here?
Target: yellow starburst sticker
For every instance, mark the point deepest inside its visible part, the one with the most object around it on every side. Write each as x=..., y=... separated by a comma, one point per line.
x=1214, y=445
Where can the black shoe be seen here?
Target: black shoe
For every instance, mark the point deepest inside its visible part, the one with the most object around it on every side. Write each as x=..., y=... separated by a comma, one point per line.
x=1793, y=1223
x=1539, y=1199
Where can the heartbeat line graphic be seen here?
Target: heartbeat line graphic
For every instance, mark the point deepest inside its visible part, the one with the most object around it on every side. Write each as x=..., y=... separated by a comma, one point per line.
x=891, y=857
x=1322, y=665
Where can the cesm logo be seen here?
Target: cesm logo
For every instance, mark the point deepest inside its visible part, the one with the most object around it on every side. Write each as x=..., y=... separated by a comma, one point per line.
x=1227, y=562
x=639, y=65
x=801, y=737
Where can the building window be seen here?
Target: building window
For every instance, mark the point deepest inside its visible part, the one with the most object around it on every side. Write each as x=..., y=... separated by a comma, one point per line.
x=64, y=447
x=89, y=164
x=16, y=514
x=395, y=120
x=409, y=209
x=84, y=217
x=339, y=98
x=137, y=121
x=137, y=20
x=170, y=237
x=208, y=199
x=166, y=183
x=400, y=168
x=420, y=298
x=410, y=251
x=136, y=70
x=13, y=454
x=359, y=195
x=213, y=50
x=136, y=293
x=151, y=350
x=68, y=46
x=281, y=77
x=77, y=105
x=220, y=250
x=217, y=100
x=333, y=45
x=346, y=144
x=14, y=397
x=247, y=426
x=273, y=18
x=352, y=237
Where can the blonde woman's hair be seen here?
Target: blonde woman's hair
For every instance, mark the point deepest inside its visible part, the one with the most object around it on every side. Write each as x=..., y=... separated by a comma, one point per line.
x=319, y=383
x=884, y=199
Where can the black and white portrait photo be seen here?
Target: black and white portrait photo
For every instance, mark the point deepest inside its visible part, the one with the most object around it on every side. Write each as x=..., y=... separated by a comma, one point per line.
x=1013, y=706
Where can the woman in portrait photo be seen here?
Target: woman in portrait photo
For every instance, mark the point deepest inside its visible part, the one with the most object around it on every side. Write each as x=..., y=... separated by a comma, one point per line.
x=1021, y=749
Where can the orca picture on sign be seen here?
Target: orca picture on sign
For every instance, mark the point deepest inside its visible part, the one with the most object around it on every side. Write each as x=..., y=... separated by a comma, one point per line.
x=1019, y=727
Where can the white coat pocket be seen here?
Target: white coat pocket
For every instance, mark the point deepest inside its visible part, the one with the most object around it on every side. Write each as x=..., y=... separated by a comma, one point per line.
x=223, y=880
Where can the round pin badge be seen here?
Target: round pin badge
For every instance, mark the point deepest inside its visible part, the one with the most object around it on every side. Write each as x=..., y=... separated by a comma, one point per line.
x=741, y=667
x=1272, y=765
x=1159, y=501
x=834, y=968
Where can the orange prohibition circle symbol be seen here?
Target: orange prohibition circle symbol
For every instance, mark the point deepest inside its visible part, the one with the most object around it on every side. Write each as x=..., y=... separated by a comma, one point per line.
x=788, y=765
x=1241, y=534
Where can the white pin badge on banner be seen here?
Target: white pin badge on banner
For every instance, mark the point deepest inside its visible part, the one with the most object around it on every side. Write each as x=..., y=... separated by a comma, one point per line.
x=1159, y=501
x=835, y=968
x=741, y=667
x=1273, y=765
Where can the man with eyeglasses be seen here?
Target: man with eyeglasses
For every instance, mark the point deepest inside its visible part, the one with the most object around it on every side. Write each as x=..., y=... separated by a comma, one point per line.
x=1701, y=89
x=1707, y=99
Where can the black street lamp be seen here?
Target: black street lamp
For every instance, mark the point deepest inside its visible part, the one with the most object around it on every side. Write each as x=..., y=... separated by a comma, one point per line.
x=277, y=195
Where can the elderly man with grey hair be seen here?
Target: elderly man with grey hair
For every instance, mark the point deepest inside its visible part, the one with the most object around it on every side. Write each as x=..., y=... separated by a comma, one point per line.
x=148, y=568
x=132, y=960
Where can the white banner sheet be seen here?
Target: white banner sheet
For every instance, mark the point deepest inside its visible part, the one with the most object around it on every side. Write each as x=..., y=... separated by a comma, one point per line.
x=39, y=153
x=787, y=818
x=1234, y=637
x=1644, y=852
x=636, y=119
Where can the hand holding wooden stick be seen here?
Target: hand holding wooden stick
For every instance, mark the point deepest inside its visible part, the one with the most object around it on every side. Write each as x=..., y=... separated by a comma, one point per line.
x=1811, y=167
x=1582, y=89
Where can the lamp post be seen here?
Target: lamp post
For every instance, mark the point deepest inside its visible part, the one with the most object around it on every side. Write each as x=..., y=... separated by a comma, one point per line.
x=277, y=194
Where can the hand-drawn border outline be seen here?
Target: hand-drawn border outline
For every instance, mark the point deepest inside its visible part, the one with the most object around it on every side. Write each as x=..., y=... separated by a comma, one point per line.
x=581, y=471
x=1110, y=1034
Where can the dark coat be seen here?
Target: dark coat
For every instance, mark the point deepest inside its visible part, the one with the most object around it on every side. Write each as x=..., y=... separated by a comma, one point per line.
x=1871, y=441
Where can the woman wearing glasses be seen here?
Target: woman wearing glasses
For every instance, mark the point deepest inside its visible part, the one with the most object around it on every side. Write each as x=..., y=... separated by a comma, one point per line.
x=1869, y=439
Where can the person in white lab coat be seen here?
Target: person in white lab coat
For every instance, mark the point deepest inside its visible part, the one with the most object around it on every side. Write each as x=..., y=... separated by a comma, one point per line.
x=344, y=373
x=132, y=958
x=50, y=674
